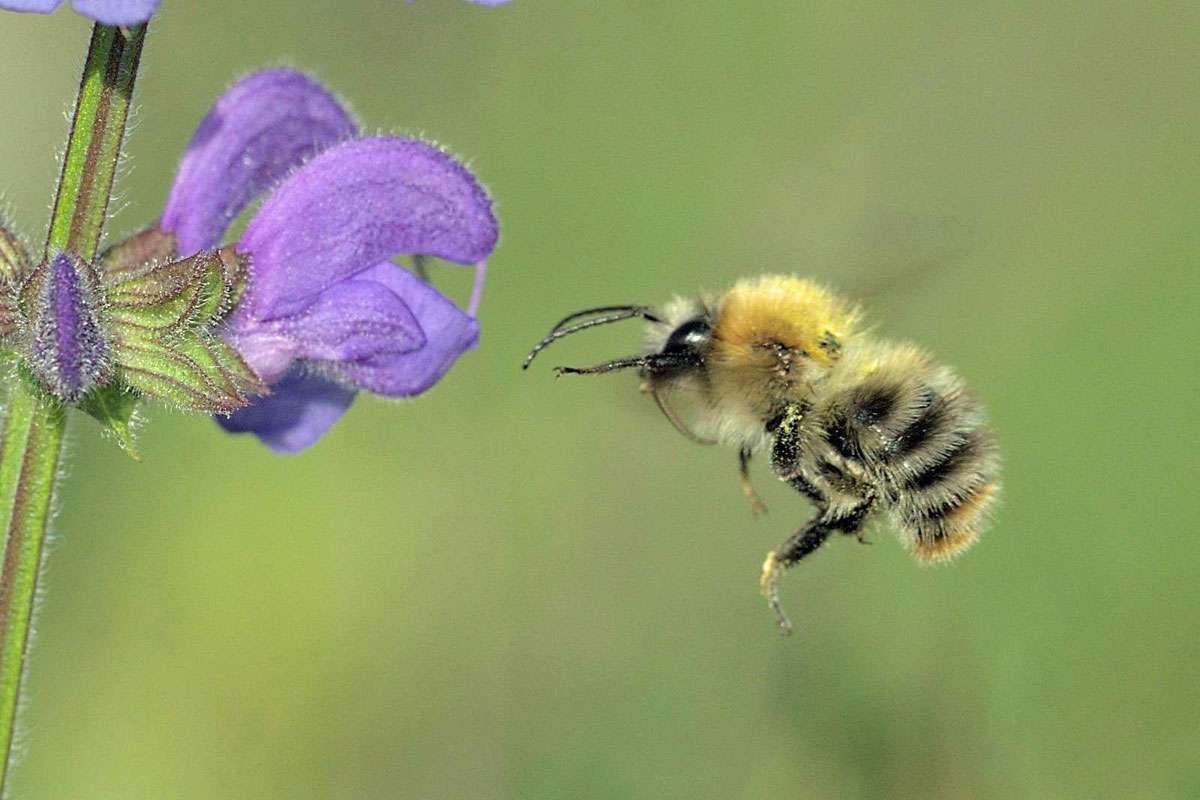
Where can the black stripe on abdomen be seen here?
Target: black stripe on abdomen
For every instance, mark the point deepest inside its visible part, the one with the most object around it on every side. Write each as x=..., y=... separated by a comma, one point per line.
x=965, y=448
x=871, y=406
x=932, y=419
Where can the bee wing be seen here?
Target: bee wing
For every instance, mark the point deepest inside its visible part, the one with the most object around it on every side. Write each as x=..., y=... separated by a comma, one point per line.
x=895, y=254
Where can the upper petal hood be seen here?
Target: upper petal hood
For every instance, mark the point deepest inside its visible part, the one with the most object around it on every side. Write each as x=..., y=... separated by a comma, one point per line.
x=354, y=205
x=261, y=129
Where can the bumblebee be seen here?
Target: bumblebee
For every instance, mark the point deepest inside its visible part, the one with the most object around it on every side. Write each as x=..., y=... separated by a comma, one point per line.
x=863, y=428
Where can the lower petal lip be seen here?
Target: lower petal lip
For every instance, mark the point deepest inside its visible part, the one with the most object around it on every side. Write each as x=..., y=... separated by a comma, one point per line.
x=301, y=408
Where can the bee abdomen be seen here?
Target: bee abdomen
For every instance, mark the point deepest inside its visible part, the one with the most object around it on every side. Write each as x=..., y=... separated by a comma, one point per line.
x=921, y=436
x=967, y=453
x=943, y=467
x=941, y=532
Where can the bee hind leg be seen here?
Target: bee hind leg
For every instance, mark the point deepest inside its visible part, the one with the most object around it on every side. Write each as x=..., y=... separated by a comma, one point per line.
x=798, y=545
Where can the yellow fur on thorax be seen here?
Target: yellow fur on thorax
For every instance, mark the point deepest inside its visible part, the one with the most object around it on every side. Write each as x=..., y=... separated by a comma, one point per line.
x=781, y=309
x=773, y=337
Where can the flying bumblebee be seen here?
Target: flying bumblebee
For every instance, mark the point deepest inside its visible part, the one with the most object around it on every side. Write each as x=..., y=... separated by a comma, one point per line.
x=860, y=427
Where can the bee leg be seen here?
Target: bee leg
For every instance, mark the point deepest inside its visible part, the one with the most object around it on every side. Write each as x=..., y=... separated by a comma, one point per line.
x=851, y=524
x=757, y=506
x=800, y=544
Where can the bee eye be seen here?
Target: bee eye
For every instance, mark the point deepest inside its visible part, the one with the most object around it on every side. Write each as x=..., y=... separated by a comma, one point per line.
x=688, y=336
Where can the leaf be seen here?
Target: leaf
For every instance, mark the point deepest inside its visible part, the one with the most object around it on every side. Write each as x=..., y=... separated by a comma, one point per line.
x=113, y=407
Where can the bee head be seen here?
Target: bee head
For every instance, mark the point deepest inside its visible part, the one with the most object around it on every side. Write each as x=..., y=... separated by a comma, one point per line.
x=678, y=343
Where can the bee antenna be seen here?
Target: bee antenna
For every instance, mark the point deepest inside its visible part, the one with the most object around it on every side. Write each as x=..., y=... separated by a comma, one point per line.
x=642, y=311
x=558, y=332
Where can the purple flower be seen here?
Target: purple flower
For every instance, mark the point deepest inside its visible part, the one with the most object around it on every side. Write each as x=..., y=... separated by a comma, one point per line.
x=326, y=312
x=106, y=12
x=125, y=12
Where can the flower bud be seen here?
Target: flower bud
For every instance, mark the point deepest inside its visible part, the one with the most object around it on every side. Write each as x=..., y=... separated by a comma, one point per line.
x=66, y=349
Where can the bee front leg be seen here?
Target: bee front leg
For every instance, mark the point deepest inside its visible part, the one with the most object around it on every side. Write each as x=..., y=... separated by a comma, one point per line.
x=800, y=544
x=756, y=504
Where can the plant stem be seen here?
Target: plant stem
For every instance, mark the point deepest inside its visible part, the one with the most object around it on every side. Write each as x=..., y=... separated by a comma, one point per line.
x=95, y=143
x=32, y=434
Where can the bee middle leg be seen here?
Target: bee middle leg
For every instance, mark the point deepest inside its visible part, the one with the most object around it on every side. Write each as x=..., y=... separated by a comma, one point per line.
x=756, y=503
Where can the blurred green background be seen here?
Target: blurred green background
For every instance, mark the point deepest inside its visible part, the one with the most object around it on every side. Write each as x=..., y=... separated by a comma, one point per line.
x=516, y=587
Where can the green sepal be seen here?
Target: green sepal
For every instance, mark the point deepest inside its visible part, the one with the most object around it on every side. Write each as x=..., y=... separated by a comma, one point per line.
x=160, y=370
x=113, y=407
x=14, y=268
x=14, y=258
x=10, y=316
x=192, y=292
x=151, y=246
x=163, y=313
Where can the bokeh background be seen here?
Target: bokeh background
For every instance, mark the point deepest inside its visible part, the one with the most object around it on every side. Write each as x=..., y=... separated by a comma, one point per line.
x=516, y=587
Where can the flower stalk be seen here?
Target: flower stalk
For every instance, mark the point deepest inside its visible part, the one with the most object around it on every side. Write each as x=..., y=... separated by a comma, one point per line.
x=94, y=147
x=32, y=433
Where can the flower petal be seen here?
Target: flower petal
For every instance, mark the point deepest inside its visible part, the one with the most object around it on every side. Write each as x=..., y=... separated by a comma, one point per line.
x=448, y=334
x=299, y=410
x=38, y=6
x=355, y=205
x=117, y=12
x=257, y=132
x=350, y=321
x=354, y=320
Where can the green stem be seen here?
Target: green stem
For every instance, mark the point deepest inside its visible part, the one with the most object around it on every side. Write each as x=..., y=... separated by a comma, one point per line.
x=95, y=143
x=33, y=433
x=32, y=436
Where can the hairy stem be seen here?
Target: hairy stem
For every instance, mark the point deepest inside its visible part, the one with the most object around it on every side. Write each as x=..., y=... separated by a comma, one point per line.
x=95, y=143
x=29, y=452
x=32, y=436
